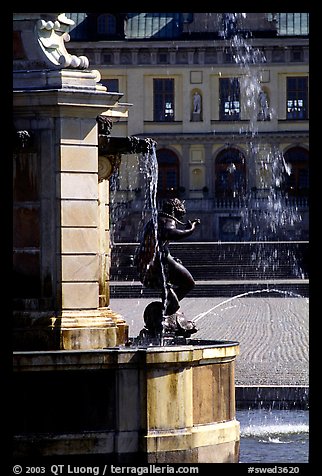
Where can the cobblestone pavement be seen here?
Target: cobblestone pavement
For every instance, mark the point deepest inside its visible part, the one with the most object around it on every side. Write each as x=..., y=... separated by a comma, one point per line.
x=273, y=333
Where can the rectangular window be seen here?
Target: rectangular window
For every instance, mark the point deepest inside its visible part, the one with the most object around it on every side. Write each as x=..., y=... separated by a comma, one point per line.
x=107, y=58
x=293, y=24
x=163, y=58
x=163, y=96
x=228, y=56
x=112, y=85
x=297, y=98
x=297, y=55
x=229, y=99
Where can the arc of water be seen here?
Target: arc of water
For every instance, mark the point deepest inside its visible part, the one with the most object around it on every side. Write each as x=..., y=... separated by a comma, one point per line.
x=203, y=314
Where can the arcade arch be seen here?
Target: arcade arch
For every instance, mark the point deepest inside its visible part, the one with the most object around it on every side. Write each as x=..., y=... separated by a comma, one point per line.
x=296, y=183
x=230, y=174
x=168, y=173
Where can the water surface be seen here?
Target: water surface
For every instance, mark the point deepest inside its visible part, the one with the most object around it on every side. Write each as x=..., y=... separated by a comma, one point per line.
x=274, y=436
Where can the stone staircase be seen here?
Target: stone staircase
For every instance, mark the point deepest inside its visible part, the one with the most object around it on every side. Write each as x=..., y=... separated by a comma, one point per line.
x=223, y=268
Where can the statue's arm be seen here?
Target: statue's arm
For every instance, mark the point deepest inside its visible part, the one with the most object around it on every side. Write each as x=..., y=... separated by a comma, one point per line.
x=172, y=233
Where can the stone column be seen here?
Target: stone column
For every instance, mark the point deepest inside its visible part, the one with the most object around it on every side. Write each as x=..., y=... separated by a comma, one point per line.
x=209, y=164
x=184, y=167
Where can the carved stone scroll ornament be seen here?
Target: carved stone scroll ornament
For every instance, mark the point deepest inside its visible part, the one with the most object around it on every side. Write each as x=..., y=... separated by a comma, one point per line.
x=52, y=36
x=107, y=165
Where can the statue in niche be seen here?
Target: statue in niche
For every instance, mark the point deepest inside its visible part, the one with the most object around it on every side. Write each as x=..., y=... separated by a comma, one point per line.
x=197, y=103
x=158, y=269
x=196, y=106
x=264, y=114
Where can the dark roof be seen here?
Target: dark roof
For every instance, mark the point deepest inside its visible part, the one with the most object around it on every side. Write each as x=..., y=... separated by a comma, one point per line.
x=153, y=25
x=137, y=26
x=167, y=26
x=79, y=30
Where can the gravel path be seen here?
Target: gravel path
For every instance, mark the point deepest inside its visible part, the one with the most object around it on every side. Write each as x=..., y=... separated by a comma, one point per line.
x=273, y=333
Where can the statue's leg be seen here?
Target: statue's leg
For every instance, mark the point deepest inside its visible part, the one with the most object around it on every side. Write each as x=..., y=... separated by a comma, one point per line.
x=183, y=283
x=171, y=301
x=179, y=283
x=180, y=277
x=153, y=318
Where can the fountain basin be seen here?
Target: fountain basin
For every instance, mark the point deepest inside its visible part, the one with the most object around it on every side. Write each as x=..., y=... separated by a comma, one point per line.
x=172, y=403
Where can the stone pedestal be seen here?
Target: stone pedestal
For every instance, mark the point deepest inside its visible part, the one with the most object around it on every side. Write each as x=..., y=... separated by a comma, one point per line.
x=196, y=117
x=61, y=251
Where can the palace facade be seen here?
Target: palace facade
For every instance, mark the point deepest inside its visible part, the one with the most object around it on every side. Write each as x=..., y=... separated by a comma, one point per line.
x=225, y=96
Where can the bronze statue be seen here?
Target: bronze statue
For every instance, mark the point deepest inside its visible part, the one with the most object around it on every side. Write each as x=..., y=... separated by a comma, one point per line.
x=158, y=269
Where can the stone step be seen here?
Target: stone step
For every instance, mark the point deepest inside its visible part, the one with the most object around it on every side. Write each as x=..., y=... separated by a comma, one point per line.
x=244, y=260
x=202, y=272
x=229, y=253
x=271, y=288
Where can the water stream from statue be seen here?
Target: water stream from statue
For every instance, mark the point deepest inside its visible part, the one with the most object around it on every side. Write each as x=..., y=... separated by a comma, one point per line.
x=248, y=293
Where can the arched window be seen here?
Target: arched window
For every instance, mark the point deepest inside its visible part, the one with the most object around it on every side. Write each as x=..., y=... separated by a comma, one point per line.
x=168, y=178
x=296, y=183
x=230, y=174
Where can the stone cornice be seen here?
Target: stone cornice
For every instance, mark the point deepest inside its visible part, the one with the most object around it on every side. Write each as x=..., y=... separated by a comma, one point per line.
x=184, y=44
x=194, y=54
x=53, y=98
x=269, y=137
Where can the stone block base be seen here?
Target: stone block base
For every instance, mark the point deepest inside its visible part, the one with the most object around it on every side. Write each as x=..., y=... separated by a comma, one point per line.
x=123, y=448
x=71, y=330
x=151, y=404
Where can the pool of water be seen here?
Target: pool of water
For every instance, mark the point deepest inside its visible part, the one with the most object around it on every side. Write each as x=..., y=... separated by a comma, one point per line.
x=274, y=436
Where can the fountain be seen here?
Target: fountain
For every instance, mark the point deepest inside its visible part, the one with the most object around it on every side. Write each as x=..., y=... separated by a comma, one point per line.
x=158, y=269
x=80, y=387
